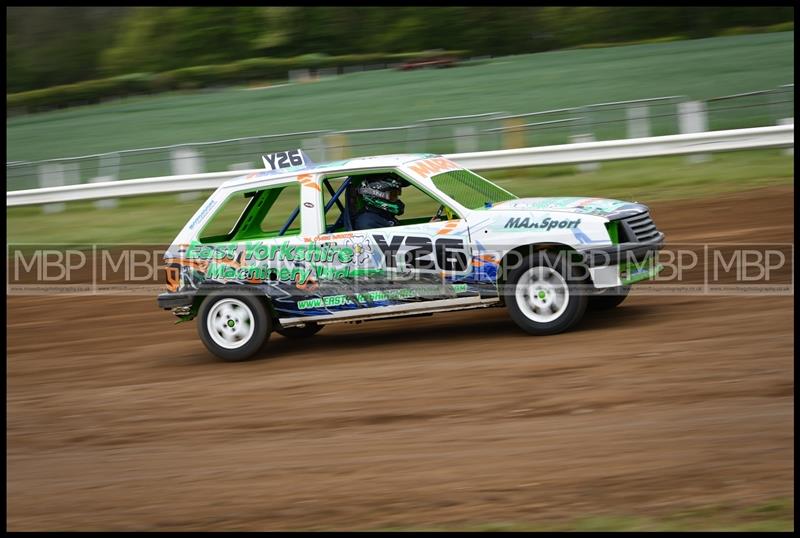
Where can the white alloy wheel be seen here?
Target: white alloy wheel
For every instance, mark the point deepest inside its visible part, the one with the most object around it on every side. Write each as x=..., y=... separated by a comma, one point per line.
x=542, y=294
x=230, y=323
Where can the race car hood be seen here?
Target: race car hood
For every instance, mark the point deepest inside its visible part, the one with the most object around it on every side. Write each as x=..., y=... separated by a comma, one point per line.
x=603, y=207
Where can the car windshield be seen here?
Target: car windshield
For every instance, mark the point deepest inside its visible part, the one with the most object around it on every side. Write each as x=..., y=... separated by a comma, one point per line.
x=470, y=190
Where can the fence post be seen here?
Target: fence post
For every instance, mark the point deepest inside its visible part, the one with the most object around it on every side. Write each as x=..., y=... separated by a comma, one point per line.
x=787, y=121
x=186, y=161
x=335, y=144
x=693, y=118
x=586, y=137
x=415, y=138
x=466, y=138
x=105, y=203
x=638, y=121
x=514, y=134
x=52, y=175
x=108, y=161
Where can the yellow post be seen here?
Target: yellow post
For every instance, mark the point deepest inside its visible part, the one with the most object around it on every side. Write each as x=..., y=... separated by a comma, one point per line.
x=336, y=147
x=514, y=135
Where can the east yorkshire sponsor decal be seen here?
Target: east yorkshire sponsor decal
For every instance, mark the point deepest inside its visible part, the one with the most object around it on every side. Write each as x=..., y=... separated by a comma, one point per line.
x=226, y=272
x=546, y=224
x=285, y=251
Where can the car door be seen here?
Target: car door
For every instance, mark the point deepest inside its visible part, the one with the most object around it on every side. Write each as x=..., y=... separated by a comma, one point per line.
x=418, y=260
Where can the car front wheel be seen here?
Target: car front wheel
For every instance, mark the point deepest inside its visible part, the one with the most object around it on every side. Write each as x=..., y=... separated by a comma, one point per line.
x=542, y=297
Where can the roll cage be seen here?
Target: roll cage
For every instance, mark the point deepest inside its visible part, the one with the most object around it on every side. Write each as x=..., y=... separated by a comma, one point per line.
x=346, y=208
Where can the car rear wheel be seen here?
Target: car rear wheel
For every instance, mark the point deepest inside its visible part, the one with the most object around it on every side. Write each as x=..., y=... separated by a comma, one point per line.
x=233, y=326
x=542, y=297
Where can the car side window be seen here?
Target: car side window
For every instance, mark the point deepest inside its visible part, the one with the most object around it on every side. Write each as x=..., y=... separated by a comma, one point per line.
x=223, y=224
x=282, y=214
x=418, y=205
x=264, y=213
x=333, y=214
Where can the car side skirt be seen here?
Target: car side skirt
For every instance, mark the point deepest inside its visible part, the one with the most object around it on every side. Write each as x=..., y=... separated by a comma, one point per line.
x=379, y=312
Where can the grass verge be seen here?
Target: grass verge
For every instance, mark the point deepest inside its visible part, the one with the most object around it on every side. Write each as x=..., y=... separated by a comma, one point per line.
x=773, y=516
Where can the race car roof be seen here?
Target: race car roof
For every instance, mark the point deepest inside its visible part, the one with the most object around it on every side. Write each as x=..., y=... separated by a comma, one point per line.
x=357, y=163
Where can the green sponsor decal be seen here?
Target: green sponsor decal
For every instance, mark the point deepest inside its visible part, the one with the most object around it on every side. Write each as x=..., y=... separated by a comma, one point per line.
x=216, y=251
x=378, y=295
x=220, y=271
x=226, y=272
x=257, y=250
x=319, y=302
x=323, y=272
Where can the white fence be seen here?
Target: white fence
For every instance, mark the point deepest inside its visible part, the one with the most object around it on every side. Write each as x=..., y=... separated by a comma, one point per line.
x=685, y=144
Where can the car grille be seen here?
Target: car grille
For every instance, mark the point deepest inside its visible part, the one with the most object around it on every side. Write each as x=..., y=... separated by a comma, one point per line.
x=639, y=228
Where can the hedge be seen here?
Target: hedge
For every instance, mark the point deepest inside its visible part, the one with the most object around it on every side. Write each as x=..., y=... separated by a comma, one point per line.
x=743, y=30
x=651, y=41
x=202, y=76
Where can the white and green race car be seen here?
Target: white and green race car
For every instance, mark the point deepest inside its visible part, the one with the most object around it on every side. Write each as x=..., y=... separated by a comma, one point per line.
x=277, y=250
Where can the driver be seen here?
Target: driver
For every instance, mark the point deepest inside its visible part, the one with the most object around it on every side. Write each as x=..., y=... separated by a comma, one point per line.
x=382, y=204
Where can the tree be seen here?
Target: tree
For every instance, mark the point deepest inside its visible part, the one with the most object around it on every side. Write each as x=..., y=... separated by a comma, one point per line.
x=56, y=45
x=161, y=39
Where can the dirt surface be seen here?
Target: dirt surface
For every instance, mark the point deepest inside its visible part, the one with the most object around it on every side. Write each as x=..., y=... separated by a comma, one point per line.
x=118, y=419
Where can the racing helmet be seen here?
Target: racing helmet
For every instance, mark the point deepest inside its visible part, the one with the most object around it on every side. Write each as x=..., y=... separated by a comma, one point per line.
x=383, y=193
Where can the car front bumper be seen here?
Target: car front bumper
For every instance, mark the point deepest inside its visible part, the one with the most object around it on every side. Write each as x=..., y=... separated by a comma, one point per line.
x=623, y=264
x=633, y=252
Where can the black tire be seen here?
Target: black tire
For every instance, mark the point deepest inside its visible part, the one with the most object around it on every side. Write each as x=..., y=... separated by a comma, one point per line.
x=611, y=298
x=574, y=298
x=250, y=307
x=307, y=331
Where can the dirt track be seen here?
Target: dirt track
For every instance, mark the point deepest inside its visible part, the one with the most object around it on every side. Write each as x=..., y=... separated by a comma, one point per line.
x=120, y=420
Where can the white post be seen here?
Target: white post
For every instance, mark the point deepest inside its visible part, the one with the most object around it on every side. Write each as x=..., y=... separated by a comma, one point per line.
x=638, y=121
x=106, y=203
x=693, y=118
x=787, y=121
x=52, y=175
x=186, y=161
x=107, y=170
x=578, y=138
x=466, y=138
